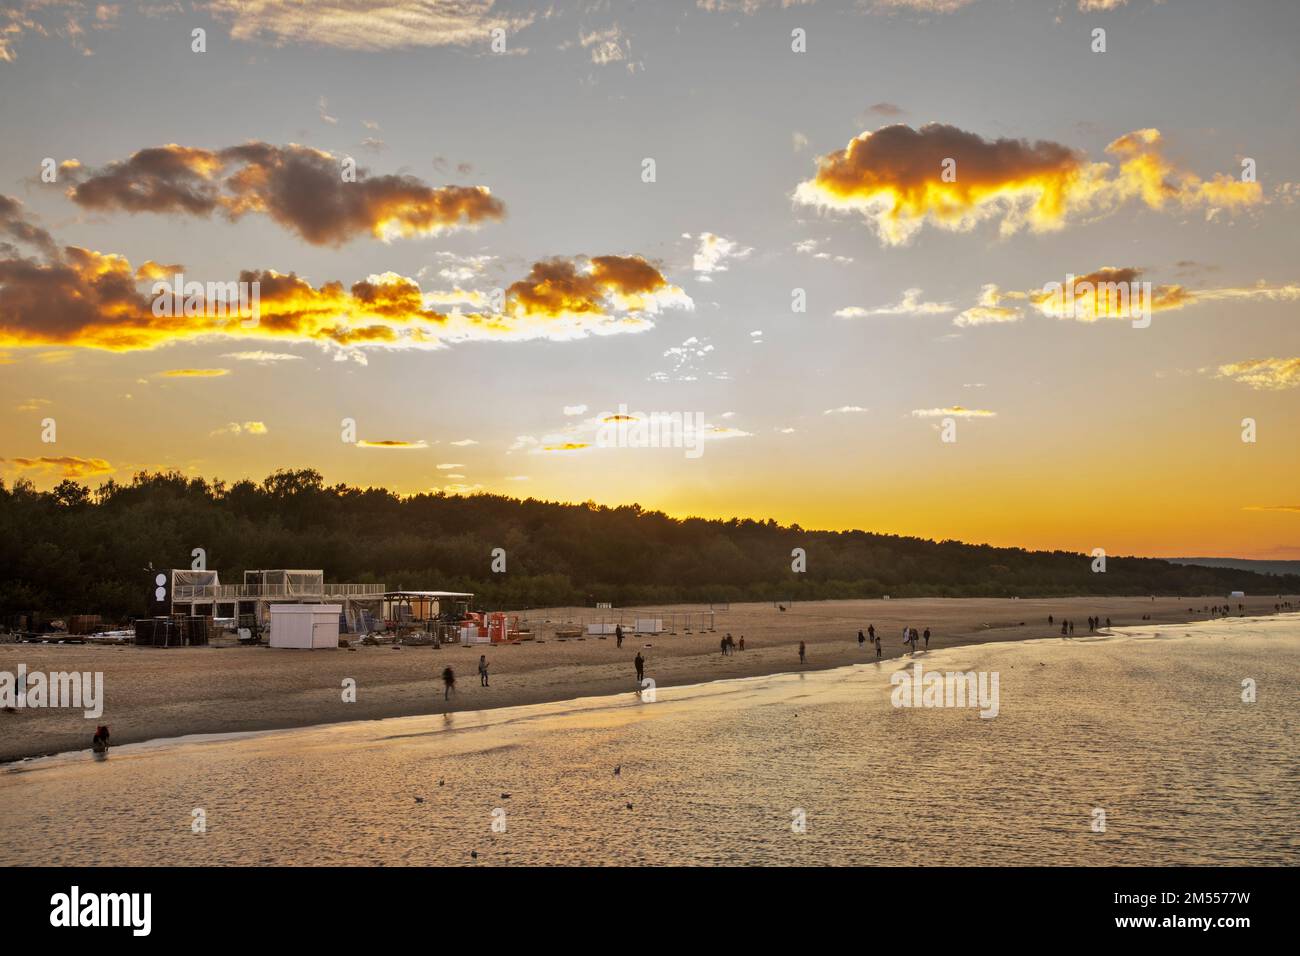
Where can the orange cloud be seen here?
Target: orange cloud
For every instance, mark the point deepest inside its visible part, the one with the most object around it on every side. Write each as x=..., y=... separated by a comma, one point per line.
x=1111, y=293
x=301, y=188
x=1270, y=374
x=195, y=372
x=393, y=444
x=69, y=466
x=954, y=411
x=91, y=299
x=896, y=177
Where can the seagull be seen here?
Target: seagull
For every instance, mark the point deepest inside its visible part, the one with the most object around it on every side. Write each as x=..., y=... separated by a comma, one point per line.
x=618, y=770
x=419, y=799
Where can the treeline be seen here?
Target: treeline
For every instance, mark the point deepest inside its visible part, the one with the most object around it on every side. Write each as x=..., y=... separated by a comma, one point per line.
x=73, y=550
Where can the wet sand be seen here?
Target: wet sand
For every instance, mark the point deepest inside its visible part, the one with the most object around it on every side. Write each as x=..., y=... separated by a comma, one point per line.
x=1137, y=747
x=153, y=693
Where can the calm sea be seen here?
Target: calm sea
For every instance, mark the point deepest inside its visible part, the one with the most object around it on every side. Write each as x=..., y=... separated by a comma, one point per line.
x=1132, y=749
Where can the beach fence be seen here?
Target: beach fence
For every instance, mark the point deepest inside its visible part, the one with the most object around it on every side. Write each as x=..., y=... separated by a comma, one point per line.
x=604, y=622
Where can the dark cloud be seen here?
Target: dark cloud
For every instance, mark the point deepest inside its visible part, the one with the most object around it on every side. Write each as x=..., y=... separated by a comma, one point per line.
x=302, y=189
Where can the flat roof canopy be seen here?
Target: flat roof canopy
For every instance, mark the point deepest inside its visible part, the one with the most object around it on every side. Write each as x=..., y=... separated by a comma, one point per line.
x=428, y=594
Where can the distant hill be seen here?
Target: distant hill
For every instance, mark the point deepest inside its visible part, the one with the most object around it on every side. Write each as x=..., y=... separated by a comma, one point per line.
x=1243, y=564
x=76, y=551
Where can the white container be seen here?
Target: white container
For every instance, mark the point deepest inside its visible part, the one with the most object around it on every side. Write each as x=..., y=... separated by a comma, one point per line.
x=649, y=625
x=601, y=628
x=305, y=625
x=472, y=635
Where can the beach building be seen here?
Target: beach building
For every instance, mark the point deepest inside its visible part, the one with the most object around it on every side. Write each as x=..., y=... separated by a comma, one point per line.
x=187, y=593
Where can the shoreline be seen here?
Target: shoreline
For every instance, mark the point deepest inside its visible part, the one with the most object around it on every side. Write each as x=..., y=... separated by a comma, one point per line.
x=155, y=694
x=813, y=742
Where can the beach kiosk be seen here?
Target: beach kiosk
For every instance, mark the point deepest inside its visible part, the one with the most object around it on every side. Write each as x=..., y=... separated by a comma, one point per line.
x=305, y=625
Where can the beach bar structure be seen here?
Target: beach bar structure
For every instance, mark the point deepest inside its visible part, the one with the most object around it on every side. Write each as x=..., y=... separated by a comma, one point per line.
x=434, y=612
x=200, y=593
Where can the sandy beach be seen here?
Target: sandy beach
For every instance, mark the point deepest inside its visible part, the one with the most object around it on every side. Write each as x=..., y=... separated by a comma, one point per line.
x=1135, y=747
x=157, y=693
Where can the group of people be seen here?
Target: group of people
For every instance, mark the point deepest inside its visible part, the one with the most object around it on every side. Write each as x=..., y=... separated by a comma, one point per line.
x=1226, y=609
x=729, y=645
x=1067, y=627
x=449, y=677
x=871, y=636
x=912, y=638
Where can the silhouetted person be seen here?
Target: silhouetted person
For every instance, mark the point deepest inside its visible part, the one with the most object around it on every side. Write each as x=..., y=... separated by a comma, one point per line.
x=618, y=635
x=803, y=653
x=640, y=667
x=483, y=670
x=448, y=682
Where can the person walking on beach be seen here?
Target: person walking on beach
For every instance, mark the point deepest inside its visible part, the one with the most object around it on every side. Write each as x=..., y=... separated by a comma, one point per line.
x=640, y=667
x=723, y=644
x=871, y=633
x=483, y=670
x=742, y=642
x=862, y=639
x=803, y=653
x=1071, y=628
x=927, y=638
x=448, y=682
x=877, y=643
x=618, y=634
x=1065, y=629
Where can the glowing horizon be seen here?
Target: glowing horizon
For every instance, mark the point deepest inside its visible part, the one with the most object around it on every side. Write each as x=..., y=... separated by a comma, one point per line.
x=881, y=271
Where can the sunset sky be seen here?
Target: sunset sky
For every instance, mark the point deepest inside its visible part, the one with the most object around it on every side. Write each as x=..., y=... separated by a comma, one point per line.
x=499, y=276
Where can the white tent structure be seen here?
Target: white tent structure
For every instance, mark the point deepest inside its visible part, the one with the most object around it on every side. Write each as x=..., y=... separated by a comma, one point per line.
x=305, y=625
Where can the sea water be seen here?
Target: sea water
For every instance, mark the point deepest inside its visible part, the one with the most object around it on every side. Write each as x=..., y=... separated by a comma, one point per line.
x=1155, y=745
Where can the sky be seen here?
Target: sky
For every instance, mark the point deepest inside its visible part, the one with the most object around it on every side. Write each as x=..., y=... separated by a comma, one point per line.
x=836, y=237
